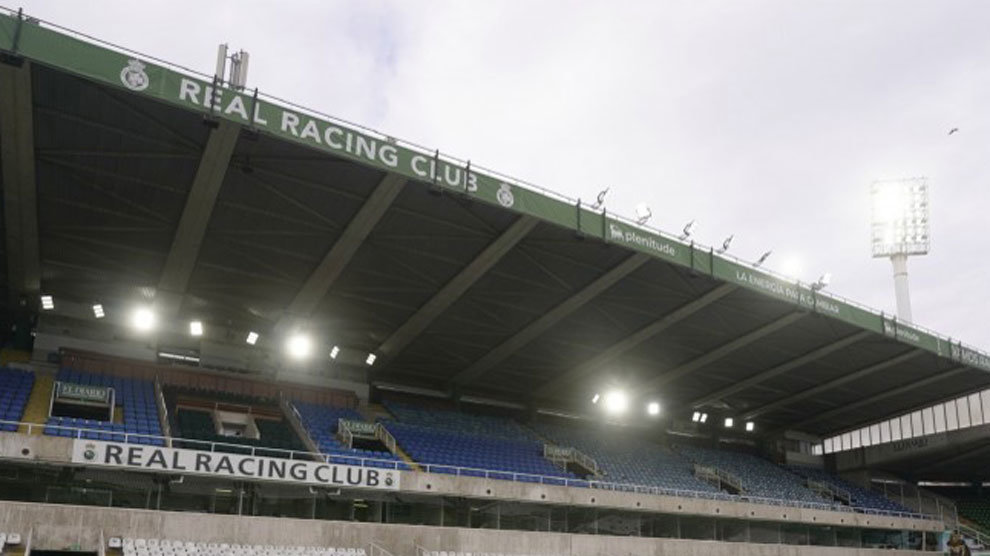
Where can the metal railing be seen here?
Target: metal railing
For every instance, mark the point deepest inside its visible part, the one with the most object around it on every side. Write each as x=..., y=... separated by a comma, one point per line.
x=975, y=534
x=829, y=491
x=566, y=454
x=435, y=153
x=720, y=476
x=225, y=447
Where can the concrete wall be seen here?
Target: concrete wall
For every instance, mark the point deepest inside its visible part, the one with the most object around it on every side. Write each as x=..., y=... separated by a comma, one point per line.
x=59, y=450
x=56, y=527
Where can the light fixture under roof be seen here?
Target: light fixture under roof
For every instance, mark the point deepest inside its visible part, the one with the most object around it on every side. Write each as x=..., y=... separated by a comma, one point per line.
x=750, y=426
x=370, y=360
x=98, y=311
x=704, y=417
x=299, y=346
x=196, y=328
x=596, y=397
x=47, y=302
x=729, y=422
x=252, y=338
x=696, y=417
x=616, y=402
x=334, y=352
x=653, y=408
x=143, y=319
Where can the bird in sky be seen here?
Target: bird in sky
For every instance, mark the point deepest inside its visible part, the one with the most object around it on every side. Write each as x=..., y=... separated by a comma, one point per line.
x=953, y=130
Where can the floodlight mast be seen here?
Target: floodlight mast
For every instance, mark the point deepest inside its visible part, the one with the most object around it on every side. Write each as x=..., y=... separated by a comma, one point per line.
x=900, y=225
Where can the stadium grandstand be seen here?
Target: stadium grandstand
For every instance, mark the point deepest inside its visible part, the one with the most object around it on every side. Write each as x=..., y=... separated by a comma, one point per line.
x=237, y=327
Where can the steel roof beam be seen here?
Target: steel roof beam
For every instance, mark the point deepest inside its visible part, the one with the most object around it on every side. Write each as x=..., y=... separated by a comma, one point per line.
x=792, y=364
x=942, y=462
x=846, y=407
x=723, y=350
x=855, y=375
x=534, y=329
x=20, y=193
x=454, y=289
x=196, y=216
x=339, y=256
x=635, y=339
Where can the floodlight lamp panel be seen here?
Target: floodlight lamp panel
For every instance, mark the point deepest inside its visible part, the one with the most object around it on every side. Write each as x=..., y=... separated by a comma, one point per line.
x=196, y=328
x=47, y=302
x=252, y=338
x=653, y=408
x=900, y=217
x=695, y=417
x=334, y=352
x=729, y=422
x=98, y=311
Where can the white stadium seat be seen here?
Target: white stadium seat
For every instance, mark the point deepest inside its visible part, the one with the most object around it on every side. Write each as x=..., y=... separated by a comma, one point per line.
x=175, y=547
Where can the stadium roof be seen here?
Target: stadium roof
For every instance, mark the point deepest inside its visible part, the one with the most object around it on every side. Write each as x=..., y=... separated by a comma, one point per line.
x=127, y=179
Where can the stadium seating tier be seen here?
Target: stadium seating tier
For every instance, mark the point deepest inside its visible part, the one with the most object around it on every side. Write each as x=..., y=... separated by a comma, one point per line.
x=15, y=388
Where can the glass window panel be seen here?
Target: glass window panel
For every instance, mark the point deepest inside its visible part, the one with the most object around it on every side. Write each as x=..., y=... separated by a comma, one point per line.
x=975, y=410
x=846, y=441
x=875, y=434
x=857, y=439
x=962, y=404
x=939, y=412
x=985, y=396
x=906, y=431
x=917, y=429
x=864, y=436
x=828, y=445
x=885, y=431
x=895, y=429
x=951, y=417
x=928, y=420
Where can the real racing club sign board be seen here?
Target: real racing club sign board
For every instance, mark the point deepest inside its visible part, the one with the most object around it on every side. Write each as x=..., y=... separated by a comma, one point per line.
x=230, y=466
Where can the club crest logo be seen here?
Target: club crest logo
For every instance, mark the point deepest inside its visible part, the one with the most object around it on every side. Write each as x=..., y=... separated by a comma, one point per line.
x=388, y=479
x=505, y=196
x=133, y=76
x=615, y=232
x=89, y=452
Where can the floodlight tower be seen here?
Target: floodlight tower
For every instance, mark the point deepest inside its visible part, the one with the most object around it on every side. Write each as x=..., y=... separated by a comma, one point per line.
x=900, y=228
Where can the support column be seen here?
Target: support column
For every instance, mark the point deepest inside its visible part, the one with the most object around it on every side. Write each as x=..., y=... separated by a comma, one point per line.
x=901, y=289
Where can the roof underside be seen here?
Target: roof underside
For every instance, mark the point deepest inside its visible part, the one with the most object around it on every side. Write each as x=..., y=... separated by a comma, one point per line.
x=114, y=172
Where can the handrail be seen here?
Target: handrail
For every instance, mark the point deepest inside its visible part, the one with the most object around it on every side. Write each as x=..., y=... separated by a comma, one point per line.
x=975, y=534
x=720, y=475
x=478, y=472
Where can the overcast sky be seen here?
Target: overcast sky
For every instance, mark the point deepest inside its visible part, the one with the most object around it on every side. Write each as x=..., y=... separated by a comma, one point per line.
x=764, y=119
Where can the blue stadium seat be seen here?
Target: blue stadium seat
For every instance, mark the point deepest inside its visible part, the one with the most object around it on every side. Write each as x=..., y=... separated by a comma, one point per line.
x=15, y=387
x=135, y=396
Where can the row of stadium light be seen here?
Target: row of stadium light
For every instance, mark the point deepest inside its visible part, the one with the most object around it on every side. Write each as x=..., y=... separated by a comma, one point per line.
x=298, y=346
x=616, y=402
x=701, y=417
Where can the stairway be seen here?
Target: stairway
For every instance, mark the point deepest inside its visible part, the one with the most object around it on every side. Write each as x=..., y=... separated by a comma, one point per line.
x=372, y=413
x=39, y=402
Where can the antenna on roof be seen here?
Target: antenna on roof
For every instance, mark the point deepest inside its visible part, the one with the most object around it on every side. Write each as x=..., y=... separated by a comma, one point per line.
x=238, y=68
